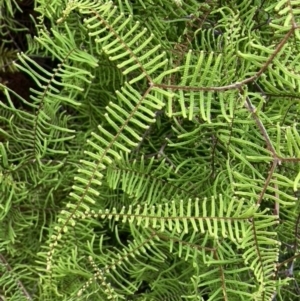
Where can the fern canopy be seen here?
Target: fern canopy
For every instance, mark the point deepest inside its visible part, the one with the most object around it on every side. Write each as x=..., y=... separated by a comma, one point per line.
x=159, y=160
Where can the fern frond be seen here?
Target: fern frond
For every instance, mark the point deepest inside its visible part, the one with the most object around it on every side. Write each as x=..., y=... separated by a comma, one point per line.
x=158, y=159
x=225, y=225
x=7, y=57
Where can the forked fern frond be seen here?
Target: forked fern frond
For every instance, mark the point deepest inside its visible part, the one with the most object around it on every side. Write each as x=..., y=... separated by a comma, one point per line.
x=157, y=159
x=211, y=234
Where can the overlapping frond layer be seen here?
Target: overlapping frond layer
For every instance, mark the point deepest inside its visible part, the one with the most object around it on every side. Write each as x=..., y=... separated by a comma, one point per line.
x=209, y=233
x=188, y=90
x=158, y=159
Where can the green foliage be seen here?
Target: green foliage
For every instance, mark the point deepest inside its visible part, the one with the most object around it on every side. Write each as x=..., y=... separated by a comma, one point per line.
x=160, y=159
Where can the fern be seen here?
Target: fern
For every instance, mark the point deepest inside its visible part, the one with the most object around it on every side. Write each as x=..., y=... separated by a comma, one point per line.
x=159, y=159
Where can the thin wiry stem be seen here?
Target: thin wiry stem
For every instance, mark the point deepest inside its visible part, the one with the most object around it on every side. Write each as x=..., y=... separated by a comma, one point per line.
x=19, y=283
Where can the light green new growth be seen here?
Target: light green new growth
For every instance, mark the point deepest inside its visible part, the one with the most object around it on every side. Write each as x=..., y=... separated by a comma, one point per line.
x=160, y=159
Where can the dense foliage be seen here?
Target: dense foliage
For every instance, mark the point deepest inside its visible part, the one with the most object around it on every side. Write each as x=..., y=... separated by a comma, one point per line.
x=157, y=157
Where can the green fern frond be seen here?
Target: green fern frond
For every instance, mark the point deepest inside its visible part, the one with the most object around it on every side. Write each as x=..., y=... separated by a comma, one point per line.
x=158, y=159
x=7, y=57
x=226, y=226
